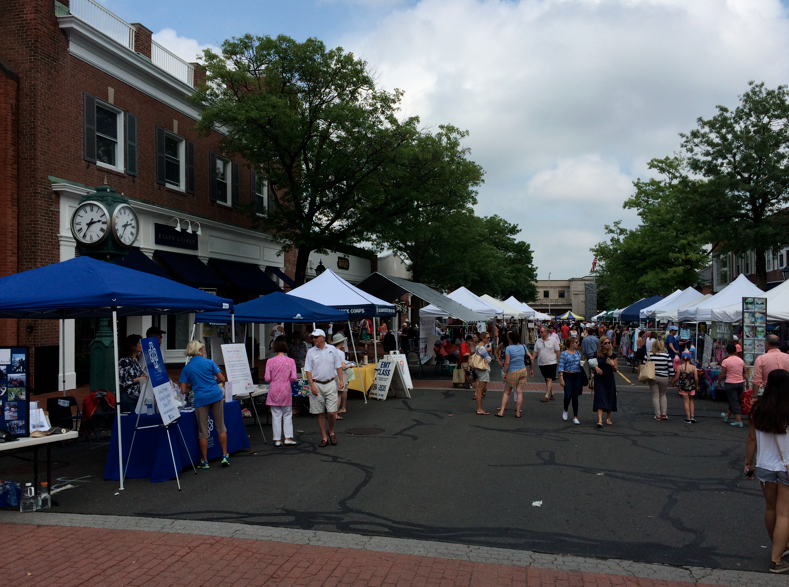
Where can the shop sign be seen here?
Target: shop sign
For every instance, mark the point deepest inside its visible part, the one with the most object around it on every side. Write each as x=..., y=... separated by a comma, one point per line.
x=343, y=263
x=169, y=237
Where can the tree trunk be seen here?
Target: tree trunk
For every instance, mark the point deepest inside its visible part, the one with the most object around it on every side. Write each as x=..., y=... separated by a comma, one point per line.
x=302, y=260
x=761, y=269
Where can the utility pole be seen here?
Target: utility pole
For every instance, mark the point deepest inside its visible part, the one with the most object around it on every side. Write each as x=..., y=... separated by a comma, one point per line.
x=549, y=294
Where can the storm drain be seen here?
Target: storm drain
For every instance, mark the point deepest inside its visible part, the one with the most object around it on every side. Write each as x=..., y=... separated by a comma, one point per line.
x=364, y=431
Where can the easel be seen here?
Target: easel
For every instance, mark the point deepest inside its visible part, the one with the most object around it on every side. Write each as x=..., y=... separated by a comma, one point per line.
x=147, y=392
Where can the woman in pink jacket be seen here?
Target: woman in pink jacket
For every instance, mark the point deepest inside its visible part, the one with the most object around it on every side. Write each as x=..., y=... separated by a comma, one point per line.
x=280, y=373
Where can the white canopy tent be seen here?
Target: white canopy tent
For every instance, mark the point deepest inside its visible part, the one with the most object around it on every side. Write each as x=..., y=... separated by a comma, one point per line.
x=676, y=300
x=509, y=311
x=732, y=294
x=598, y=316
x=777, y=306
x=527, y=310
x=671, y=314
x=466, y=298
x=618, y=312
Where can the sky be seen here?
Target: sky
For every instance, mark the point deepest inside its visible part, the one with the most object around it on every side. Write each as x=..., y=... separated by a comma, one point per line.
x=566, y=101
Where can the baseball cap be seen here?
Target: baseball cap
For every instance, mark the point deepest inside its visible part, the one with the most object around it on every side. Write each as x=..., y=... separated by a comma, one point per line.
x=673, y=328
x=318, y=332
x=154, y=331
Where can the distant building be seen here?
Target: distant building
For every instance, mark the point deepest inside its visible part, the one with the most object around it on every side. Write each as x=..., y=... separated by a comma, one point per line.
x=391, y=264
x=557, y=296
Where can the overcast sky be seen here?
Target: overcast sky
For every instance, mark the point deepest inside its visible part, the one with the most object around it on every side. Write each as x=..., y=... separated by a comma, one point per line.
x=566, y=100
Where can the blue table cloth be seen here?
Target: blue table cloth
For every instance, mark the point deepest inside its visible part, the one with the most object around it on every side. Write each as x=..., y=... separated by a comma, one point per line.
x=151, y=453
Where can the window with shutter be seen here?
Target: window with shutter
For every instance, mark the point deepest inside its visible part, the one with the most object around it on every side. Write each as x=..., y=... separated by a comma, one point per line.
x=160, y=160
x=131, y=144
x=212, y=176
x=236, y=198
x=89, y=128
x=190, y=167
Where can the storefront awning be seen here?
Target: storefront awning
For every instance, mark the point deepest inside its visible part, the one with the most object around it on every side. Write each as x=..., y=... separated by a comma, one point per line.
x=190, y=269
x=139, y=261
x=282, y=275
x=245, y=276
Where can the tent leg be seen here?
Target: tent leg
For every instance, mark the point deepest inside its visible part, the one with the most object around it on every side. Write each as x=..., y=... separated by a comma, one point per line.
x=186, y=447
x=194, y=326
x=63, y=356
x=253, y=345
x=356, y=357
x=397, y=332
x=375, y=343
x=172, y=454
x=232, y=327
x=117, y=392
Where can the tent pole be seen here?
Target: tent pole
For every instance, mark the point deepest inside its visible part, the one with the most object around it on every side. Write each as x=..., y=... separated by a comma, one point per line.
x=117, y=392
x=253, y=345
x=232, y=327
x=194, y=327
x=63, y=351
x=397, y=332
x=356, y=360
x=375, y=343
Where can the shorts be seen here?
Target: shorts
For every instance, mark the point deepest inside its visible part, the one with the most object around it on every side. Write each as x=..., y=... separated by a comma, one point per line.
x=515, y=378
x=548, y=371
x=326, y=400
x=766, y=476
x=201, y=415
x=483, y=375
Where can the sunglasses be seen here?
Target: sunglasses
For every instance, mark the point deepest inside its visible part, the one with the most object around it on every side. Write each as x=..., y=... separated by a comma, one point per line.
x=606, y=343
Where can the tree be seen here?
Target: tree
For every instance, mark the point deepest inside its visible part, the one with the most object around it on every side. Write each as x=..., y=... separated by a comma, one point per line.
x=744, y=157
x=312, y=121
x=662, y=254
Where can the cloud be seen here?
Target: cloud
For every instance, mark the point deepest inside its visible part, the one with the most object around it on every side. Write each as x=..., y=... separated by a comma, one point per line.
x=186, y=48
x=566, y=100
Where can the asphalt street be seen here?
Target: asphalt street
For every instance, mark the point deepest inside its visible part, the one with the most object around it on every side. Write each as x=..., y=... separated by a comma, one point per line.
x=641, y=490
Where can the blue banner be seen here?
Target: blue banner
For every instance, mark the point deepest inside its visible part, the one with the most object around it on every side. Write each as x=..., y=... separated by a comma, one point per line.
x=157, y=370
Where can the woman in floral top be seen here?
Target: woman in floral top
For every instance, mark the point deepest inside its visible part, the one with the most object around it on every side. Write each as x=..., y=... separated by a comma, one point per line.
x=130, y=372
x=280, y=373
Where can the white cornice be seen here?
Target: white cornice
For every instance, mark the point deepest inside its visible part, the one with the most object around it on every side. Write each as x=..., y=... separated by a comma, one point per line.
x=94, y=47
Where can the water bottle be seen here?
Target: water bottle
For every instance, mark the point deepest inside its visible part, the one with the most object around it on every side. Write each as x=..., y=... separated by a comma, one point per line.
x=43, y=499
x=28, y=501
x=149, y=407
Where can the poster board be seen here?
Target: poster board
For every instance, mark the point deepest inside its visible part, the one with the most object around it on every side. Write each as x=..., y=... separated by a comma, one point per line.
x=15, y=390
x=159, y=381
x=402, y=363
x=707, y=356
x=237, y=367
x=754, y=329
x=388, y=380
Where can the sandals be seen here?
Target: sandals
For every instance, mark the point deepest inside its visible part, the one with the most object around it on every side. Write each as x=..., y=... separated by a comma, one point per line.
x=483, y=413
x=323, y=443
x=599, y=425
x=518, y=414
x=498, y=415
x=544, y=399
x=609, y=423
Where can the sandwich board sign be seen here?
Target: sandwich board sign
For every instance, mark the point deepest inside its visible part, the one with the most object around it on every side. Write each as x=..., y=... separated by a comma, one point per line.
x=237, y=366
x=388, y=379
x=402, y=363
x=159, y=381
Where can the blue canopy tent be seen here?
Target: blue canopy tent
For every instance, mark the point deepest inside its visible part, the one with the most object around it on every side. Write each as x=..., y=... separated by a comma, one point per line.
x=86, y=288
x=632, y=312
x=273, y=308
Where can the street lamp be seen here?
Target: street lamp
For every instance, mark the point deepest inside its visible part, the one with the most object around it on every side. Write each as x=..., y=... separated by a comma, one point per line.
x=320, y=268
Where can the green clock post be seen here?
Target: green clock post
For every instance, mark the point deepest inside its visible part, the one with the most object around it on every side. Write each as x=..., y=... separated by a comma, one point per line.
x=104, y=226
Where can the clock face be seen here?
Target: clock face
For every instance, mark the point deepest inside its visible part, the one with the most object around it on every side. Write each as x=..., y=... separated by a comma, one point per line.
x=90, y=223
x=125, y=225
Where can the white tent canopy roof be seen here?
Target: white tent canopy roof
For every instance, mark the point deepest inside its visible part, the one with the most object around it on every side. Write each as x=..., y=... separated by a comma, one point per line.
x=676, y=300
x=330, y=289
x=466, y=298
x=527, y=310
x=777, y=306
x=509, y=311
x=670, y=314
x=598, y=316
x=732, y=294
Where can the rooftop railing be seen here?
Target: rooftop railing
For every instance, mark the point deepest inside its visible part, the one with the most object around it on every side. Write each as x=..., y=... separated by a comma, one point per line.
x=172, y=64
x=103, y=20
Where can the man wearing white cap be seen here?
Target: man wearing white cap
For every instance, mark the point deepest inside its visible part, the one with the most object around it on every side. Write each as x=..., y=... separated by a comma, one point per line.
x=322, y=365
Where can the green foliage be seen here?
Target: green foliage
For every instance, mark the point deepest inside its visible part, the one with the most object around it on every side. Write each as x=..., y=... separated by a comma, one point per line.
x=664, y=253
x=744, y=157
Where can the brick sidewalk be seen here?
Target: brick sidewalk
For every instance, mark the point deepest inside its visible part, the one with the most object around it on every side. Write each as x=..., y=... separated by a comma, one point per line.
x=71, y=556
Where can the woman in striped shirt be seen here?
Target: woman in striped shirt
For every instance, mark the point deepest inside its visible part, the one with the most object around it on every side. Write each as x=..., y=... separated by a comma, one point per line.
x=664, y=369
x=569, y=370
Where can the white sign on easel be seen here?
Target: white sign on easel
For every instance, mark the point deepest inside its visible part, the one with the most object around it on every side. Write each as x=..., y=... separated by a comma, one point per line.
x=239, y=375
x=158, y=382
x=388, y=379
x=402, y=362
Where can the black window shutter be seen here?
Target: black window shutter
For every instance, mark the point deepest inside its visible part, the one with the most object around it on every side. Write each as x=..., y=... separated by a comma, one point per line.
x=212, y=176
x=131, y=144
x=160, y=155
x=236, y=202
x=272, y=201
x=89, y=127
x=253, y=192
x=190, y=167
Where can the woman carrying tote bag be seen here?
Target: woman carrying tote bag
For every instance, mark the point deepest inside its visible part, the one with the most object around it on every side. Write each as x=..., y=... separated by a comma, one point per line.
x=662, y=368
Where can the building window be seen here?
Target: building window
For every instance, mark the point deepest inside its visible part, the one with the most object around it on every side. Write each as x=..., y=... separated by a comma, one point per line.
x=261, y=192
x=109, y=136
x=723, y=269
x=561, y=294
x=769, y=260
x=781, y=260
x=223, y=173
x=546, y=294
x=174, y=151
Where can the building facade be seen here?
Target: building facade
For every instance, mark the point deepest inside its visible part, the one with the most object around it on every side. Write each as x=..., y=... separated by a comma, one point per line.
x=726, y=267
x=90, y=100
x=557, y=296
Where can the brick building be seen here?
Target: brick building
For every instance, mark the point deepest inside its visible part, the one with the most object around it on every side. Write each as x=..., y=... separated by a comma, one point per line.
x=87, y=99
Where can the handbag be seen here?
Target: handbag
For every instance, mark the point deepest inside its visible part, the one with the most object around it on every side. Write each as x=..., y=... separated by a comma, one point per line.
x=746, y=401
x=477, y=362
x=526, y=356
x=647, y=373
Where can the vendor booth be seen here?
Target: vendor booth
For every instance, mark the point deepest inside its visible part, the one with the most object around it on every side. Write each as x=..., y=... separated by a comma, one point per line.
x=731, y=294
x=508, y=311
x=676, y=300
x=86, y=288
x=672, y=314
x=632, y=312
x=777, y=307
x=525, y=308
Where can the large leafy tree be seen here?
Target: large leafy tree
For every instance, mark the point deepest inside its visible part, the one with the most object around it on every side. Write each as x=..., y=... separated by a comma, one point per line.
x=744, y=157
x=314, y=123
x=665, y=252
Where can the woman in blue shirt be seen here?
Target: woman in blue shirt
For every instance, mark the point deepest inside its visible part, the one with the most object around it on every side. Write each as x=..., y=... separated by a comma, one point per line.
x=569, y=370
x=515, y=373
x=201, y=374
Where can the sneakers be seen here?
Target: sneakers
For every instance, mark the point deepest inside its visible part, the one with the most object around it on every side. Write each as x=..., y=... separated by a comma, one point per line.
x=278, y=443
x=725, y=417
x=564, y=416
x=289, y=442
x=226, y=461
x=736, y=424
x=576, y=421
x=664, y=417
x=203, y=465
x=688, y=421
x=781, y=567
x=657, y=418
x=693, y=420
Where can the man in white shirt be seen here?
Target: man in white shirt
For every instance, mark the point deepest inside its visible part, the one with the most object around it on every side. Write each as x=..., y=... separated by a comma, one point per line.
x=546, y=354
x=322, y=365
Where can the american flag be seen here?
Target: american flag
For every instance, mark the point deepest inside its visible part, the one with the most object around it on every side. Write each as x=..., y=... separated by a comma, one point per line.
x=594, y=265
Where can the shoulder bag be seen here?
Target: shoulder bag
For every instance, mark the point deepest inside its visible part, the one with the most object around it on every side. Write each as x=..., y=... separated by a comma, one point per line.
x=526, y=356
x=647, y=373
x=476, y=361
